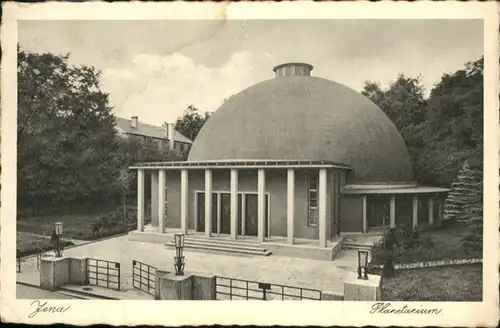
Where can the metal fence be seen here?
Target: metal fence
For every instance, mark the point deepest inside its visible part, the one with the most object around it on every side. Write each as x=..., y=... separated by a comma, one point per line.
x=239, y=289
x=144, y=277
x=18, y=262
x=103, y=273
x=39, y=254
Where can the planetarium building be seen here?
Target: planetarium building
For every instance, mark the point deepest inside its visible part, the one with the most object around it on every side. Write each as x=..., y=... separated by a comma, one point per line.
x=292, y=159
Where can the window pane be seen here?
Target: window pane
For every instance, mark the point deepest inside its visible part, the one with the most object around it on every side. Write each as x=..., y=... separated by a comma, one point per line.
x=313, y=203
x=313, y=184
x=312, y=220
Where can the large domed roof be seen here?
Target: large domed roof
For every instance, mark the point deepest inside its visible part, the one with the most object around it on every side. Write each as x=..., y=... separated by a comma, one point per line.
x=306, y=118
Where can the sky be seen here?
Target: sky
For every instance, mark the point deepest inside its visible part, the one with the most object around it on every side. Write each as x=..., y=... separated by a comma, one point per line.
x=156, y=69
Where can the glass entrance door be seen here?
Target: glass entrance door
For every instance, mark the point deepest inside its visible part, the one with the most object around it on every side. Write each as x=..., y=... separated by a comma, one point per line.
x=200, y=215
x=247, y=213
x=378, y=210
x=225, y=213
x=251, y=215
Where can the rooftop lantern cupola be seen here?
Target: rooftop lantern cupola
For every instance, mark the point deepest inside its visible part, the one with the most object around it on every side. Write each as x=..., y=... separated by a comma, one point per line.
x=293, y=69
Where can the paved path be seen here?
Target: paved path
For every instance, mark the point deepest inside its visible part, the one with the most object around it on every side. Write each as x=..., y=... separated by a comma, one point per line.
x=33, y=293
x=327, y=276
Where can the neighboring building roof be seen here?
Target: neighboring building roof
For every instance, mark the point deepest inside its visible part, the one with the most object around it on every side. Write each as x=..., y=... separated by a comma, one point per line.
x=303, y=118
x=148, y=130
x=240, y=164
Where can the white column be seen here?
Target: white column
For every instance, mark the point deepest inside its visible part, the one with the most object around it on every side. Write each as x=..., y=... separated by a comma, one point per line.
x=234, y=203
x=290, y=210
x=322, y=196
x=208, y=202
x=184, y=201
x=365, y=220
x=415, y=210
x=431, y=210
x=392, y=215
x=161, y=201
x=154, y=196
x=140, y=200
x=440, y=209
x=261, y=203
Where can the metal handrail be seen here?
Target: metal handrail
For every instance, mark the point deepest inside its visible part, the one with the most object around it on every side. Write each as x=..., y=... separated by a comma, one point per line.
x=150, y=277
x=94, y=277
x=264, y=288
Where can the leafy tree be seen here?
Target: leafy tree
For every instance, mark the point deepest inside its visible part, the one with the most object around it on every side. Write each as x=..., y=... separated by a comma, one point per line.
x=123, y=182
x=440, y=132
x=454, y=130
x=191, y=122
x=404, y=103
x=66, y=135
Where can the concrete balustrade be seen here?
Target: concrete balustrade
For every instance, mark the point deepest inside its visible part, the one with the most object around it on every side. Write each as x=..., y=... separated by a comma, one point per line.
x=190, y=286
x=58, y=271
x=362, y=290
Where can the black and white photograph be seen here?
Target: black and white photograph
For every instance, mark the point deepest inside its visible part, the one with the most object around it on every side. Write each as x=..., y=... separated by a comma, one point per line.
x=246, y=159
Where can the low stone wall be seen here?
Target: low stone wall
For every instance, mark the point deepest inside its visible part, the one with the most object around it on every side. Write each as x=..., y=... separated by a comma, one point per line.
x=190, y=286
x=431, y=264
x=56, y=272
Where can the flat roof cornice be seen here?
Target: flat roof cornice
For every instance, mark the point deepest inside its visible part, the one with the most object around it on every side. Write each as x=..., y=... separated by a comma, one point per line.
x=255, y=164
x=391, y=189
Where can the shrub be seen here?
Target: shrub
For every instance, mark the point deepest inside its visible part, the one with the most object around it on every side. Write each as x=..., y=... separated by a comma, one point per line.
x=389, y=268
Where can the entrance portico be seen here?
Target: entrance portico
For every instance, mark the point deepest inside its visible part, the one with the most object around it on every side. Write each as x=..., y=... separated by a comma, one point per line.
x=244, y=198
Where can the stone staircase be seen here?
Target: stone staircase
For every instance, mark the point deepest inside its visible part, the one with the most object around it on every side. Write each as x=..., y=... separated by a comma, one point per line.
x=360, y=242
x=87, y=292
x=82, y=294
x=222, y=246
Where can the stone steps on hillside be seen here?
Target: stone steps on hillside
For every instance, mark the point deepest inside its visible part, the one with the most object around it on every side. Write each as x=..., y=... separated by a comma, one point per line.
x=78, y=295
x=223, y=246
x=77, y=292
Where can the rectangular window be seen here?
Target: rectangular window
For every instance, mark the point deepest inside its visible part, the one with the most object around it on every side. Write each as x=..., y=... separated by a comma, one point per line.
x=312, y=198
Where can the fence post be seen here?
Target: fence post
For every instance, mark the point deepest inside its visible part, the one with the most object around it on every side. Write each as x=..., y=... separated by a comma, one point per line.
x=117, y=265
x=18, y=258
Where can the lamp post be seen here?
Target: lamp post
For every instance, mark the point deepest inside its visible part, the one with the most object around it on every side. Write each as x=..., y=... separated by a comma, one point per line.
x=179, y=258
x=362, y=264
x=58, y=246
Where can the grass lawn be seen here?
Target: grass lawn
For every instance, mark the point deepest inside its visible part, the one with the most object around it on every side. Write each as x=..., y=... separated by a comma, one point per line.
x=447, y=244
x=75, y=226
x=458, y=283
x=28, y=243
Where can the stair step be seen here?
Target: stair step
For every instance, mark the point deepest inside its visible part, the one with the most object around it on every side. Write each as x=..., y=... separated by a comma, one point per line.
x=357, y=246
x=77, y=295
x=226, y=249
x=84, y=294
x=225, y=243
